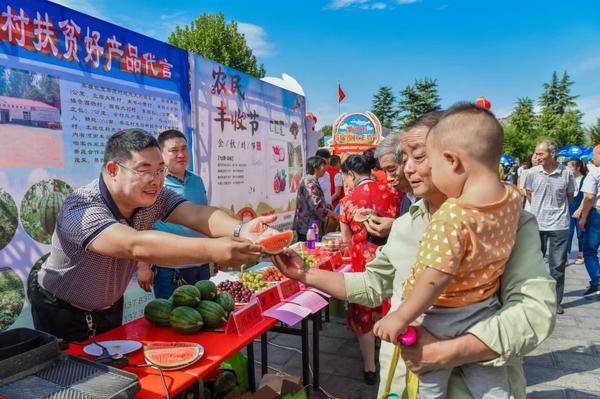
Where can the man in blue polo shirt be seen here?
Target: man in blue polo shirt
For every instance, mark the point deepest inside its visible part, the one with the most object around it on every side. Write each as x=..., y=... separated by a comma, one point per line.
x=175, y=153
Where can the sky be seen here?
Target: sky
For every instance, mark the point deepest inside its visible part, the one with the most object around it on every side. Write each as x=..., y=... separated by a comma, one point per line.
x=503, y=50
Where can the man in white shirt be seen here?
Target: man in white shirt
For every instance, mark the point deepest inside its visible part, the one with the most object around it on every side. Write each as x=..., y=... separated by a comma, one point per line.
x=324, y=181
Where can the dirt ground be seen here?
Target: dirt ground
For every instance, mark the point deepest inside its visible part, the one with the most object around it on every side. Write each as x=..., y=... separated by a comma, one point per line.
x=17, y=151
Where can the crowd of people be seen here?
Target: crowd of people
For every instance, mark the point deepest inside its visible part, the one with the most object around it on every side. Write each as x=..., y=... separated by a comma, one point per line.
x=434, y=238
x=479, y=265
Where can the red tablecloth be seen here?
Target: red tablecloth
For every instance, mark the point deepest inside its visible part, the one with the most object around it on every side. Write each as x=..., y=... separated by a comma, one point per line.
x=217, y=347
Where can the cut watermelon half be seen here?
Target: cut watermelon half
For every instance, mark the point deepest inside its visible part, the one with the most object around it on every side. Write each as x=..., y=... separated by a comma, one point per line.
x=275, y=244
x=172, y=355
x=362, y=215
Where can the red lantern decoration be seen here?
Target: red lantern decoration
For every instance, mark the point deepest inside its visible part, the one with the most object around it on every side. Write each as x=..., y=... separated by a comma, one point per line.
x=483, y=102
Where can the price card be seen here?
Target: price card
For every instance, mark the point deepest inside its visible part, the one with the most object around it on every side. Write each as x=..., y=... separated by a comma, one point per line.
x=337, y=260
x=289, y=287
x=247, y=317
x=325, y=265
x=269, y=298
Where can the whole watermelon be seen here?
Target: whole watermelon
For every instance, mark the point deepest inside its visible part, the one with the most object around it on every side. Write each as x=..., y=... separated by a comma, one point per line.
x=158, y=312
x=49, y=207
x=212, y=313
x=186, y=320
x=208, y=289
x=186, y=295
x=226, y=301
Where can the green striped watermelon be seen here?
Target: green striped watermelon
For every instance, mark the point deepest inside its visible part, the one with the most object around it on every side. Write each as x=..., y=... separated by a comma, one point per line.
x=208, y=289
x=212, y=313
x=49, y=207
x=158, y=312
x=186, y=295
x=186, y=320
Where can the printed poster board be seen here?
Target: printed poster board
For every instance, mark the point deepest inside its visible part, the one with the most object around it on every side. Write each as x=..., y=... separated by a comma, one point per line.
x=67, y=82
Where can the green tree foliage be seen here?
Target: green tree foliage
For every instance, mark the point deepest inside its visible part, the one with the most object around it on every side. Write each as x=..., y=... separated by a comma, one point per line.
x=383, y=106
x=594, y=133
x=521, y=133
x=327, y=130
x=211, y=37
x=558, y=118
x=33, y=86
x=418, y=99
x=569, y=129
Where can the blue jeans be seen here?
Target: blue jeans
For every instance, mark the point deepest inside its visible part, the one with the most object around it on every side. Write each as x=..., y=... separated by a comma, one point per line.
x=591, y=242
x=166, y=279
x=574, y=227
x=555, y=243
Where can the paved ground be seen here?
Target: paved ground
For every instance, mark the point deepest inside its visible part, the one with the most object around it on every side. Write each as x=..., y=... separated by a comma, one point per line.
x=16, y=150
x=565, y=366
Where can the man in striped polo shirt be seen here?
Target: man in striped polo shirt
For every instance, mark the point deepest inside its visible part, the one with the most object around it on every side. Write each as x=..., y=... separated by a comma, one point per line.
x=550, y=187
x=105, y=228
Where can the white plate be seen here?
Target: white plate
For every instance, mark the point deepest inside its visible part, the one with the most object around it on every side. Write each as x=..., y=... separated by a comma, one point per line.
x=114, y=347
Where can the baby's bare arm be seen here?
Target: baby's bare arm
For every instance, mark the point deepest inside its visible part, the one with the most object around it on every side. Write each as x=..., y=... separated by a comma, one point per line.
x=428, y=287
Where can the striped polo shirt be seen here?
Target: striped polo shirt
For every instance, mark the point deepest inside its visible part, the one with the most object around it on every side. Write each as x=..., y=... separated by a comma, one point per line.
x=83, y=278
x=549, y=193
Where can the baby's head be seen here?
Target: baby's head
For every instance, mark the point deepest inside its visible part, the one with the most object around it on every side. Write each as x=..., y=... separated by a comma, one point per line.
x=468, y=139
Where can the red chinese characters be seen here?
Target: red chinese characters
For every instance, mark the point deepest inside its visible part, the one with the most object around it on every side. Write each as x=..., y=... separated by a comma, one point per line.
x=40, y=34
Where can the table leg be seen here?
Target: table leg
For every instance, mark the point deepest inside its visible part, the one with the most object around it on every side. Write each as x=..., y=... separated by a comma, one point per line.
x=327, y=311
x=263, y=354
x=305, y=354
x=316, y=326
x=251, y=379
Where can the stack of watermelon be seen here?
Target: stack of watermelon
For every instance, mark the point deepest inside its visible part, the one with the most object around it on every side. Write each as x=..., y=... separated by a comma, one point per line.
x=190, y=308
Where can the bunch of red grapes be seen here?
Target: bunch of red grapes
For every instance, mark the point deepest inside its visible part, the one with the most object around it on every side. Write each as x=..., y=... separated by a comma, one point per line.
x=238, y=292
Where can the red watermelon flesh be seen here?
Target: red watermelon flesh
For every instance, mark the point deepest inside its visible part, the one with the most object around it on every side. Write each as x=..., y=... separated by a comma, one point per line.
x=276, y=243
x=171, y=355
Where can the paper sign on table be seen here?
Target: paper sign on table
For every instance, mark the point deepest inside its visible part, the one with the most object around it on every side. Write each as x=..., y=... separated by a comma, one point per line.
x=309, y=300
x=289, y=287
x=325, y=265
x=247, y=317
x=269, y=298
x=288, y=313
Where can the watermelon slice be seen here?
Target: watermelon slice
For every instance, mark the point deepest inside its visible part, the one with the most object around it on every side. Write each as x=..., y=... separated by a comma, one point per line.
x=362, y=215
x=172, y=355
x=276, y=243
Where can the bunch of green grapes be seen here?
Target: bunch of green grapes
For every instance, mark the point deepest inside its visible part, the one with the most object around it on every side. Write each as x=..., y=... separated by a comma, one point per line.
x=308, y=259
x=253, y=280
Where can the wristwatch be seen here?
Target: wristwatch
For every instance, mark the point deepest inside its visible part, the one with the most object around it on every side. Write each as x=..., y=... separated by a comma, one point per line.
x=237, y=230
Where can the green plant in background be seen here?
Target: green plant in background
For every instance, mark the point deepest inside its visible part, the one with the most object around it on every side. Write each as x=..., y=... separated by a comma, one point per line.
x=8, y=218
x=30, y=211
x=12, y=297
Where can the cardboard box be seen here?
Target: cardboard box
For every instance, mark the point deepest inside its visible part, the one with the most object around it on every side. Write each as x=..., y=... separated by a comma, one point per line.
x=278, y=387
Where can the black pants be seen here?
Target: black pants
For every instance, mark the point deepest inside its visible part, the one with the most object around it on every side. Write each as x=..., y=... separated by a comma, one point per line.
x=59, y=318
x=554, y=243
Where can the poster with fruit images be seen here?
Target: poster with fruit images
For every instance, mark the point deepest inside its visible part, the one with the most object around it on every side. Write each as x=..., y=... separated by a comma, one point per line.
x=250, y=139
x=67, y=82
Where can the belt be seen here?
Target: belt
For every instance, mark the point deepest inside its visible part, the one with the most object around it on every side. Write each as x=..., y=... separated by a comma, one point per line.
x=51, y=296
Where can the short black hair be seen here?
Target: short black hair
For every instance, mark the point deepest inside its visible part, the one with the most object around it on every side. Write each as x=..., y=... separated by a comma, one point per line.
x=168, y=135
x=121, y=144
x=314, y=163
x=323, y=153
x=360, y=164
x=334, y=160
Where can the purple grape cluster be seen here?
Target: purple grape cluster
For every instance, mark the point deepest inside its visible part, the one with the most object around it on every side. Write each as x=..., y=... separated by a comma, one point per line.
x=238, y=292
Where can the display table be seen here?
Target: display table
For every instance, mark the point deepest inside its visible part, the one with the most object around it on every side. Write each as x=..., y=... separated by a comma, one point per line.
x=217, y=346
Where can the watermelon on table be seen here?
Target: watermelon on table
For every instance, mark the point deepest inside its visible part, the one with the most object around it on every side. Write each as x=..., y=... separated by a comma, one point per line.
x=172, y=355
x=276, y=243
x=208, y=289
x=186, y=320
x=186, y=295
x=158, y=312
x=213, y=314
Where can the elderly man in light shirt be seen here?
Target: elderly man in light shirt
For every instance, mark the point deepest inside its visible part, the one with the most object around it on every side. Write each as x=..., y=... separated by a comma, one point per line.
x=527, y=291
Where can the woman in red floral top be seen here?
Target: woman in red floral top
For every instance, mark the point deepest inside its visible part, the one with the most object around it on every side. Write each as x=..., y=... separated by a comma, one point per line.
x=368, y=196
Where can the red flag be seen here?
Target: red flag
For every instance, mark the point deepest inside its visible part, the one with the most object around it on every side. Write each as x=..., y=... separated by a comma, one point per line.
x=341, y=94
